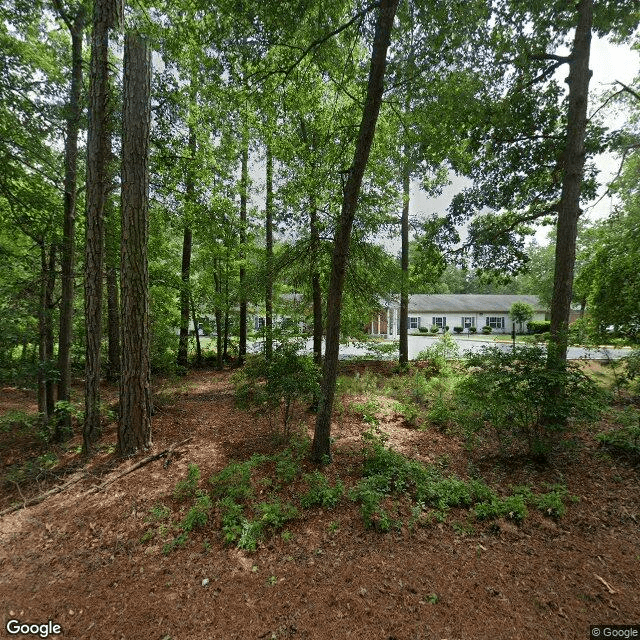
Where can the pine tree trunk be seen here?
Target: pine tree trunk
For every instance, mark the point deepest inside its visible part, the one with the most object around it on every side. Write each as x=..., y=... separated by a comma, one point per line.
x=183, y=344
x=316, y=289
x=404, y=266
x=321, y=450
x=187, y=245
x=244, y=184
x=573, y=169
x=268, y=300
x=195, y=324
x=67, y=260
x=134, y=431
x=113, y=323
x=45, y=404
x=98, y=152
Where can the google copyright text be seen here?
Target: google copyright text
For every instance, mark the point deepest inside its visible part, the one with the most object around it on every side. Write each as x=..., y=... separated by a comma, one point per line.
x=615, y=631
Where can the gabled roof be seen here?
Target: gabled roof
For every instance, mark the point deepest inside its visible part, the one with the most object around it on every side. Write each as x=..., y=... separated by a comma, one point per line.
x=469, y=302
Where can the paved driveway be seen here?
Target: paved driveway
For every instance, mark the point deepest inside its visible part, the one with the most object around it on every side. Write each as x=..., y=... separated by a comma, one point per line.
x=419, y=343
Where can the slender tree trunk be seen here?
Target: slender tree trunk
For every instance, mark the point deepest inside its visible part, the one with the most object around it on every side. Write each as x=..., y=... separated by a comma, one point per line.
x=244, y=184
x=134, y=431
x=186, y=251
x=316, y=288
x=45, y=335
x=404, y=266
x=268, y=345
x=314, y=253
x=573, y=169
x=113, y=323
x=217, y=276
x=49, y=307
x=183, y=344
x=105, y=15
x=67, y=260
x=195, y=324
x=321, y=450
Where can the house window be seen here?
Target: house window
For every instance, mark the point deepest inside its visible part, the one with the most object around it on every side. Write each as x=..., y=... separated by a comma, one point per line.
x=439, y=321
x=414, y=322
x=469, y=321
x=496, y=322
x=260, y=322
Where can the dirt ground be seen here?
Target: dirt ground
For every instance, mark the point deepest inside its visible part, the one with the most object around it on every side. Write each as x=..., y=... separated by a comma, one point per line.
x=77, y=558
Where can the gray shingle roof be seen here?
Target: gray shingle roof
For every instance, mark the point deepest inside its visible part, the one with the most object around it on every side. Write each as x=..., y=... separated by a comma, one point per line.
x=469, y=302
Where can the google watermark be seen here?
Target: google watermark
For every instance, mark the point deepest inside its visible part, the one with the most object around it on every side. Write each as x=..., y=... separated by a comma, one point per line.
x=615, y=631
x=42, y=630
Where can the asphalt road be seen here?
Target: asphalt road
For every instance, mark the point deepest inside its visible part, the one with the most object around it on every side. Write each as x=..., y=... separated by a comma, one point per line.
x=419, y=343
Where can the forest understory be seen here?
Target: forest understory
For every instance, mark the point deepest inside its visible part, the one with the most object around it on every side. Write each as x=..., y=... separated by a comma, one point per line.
x=120, y=562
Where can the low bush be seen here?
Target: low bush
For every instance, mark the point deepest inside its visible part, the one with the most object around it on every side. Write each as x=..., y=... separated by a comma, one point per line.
x=513, y=395
x=487, y=329
x=277, y=383
x=626, y=437
x=538, y=326
x=458, y=329
x=321, y=493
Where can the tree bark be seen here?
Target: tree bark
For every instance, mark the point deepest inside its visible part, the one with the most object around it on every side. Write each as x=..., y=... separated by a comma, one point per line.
x=187, y=243
x=268, y=300
x=195, y=324
x=113, y=323
x=46, y=400
x=404, y=266
x=67, y=258
x=573, y=169
x=316, y=289
x=244, y=183
x=321, y=450
x=183, y=344
x=105, y=15
x=314, y=253
x=134, y=431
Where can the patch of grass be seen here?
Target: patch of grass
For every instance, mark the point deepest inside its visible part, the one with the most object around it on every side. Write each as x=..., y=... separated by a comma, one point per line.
x=367, y=410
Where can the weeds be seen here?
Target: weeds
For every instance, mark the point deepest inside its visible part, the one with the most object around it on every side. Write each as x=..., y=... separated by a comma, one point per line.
x=187, y=488
x=321, y=493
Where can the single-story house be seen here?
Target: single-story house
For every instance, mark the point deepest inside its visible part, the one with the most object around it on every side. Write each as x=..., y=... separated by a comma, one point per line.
x=453, y=310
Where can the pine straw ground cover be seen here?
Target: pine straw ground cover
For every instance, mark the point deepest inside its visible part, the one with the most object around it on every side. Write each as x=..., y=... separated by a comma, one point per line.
x=146, y=557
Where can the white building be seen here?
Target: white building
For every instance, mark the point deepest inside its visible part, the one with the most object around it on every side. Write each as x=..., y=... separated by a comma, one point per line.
x=454, y=310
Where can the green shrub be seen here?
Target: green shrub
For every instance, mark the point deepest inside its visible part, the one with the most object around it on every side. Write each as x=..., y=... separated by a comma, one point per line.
x=539, y=326
x=487, y=329
x=513, y=395
x=512, y=507
x=473, y=329
x=625, y=438
x=276, y=384
x=423, y=329
x=321, y=493
x=434, y=329
x=198, y=515
x=440, y=352
x=458, y=329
